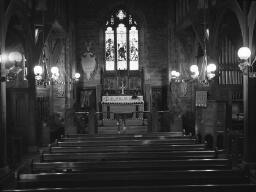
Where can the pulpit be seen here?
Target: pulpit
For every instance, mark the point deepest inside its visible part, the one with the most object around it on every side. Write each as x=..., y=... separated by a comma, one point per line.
x=124, y=106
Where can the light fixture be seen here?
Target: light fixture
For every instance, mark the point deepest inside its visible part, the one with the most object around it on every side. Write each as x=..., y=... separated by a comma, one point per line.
x=55, y=73
x=3, y=58
x=175, y=76
x=12, y=57
x=194, y=71
x=76, y=77
x=38, y=71
x=207, y=70
x=41, y=73
x=244, y=53
x=15, y=57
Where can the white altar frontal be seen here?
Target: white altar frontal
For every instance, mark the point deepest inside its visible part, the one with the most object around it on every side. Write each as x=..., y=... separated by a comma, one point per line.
x=126, y=106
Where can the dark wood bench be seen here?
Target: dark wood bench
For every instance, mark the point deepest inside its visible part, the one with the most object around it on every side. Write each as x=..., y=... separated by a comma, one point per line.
x=85, y=149
x=124, y=137
x=189, y=164
x=171, y=155
x=132, y=178
x=154, y=134
x=127, y=142
x=164, y=188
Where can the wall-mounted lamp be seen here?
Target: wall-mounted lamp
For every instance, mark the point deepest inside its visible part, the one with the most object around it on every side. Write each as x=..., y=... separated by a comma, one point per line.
x=77, y=77
x=209, y=71
x=244, y=53
x=12, y=57
x=55, y=73
x=194, y=71
x=175, y=76
x=38, y=71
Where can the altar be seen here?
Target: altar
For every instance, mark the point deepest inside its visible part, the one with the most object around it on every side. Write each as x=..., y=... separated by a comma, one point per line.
x=126, y=106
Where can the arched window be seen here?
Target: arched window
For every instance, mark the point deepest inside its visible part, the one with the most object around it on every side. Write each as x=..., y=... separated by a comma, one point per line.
x=121, y=42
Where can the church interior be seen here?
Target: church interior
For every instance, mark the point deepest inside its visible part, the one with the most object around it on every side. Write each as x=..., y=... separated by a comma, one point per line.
x=126, y=95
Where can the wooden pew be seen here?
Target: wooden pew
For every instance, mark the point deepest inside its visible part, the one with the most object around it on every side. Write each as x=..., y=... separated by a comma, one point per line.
x=85, y=149
x=171, y=155
x=154, y=134
x=130, y=164
x=163, y=188
x=127, y=142
x=189, y=164
x=132, y=178
x=123, y=137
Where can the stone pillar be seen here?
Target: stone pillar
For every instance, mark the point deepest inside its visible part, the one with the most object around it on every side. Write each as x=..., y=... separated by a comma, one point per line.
x=32, y=128
x=249, y=94
x=249, y=120
x=3, y=146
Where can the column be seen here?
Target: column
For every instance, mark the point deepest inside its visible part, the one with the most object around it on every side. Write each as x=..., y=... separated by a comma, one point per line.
x=250, y=121
x=3, y=146
x=249, y=94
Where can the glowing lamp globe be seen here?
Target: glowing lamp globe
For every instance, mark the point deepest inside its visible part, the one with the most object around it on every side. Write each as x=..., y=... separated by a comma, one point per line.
x=38, y=70
x=77, y=75
x=244, y=53
x=195, y=75
x=194, y=68
x=173, y=73
x=55, y=70
x=210, y=75
x=3, y=58
x=15, y=56
x=211, y=68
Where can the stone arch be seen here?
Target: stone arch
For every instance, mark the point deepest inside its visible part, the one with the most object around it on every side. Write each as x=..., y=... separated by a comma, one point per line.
x=130, y=6
x=251, y=25
x=234, y=7
x=18, y=9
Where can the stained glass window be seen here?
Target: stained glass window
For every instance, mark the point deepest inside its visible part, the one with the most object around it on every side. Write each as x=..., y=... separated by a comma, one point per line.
x=121, y=42
x=134, y=47
x=121, y=15
x=121, y=47
x=109, y=49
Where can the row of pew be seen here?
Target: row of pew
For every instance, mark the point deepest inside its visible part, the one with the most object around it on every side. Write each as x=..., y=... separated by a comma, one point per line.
x=148, y=162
